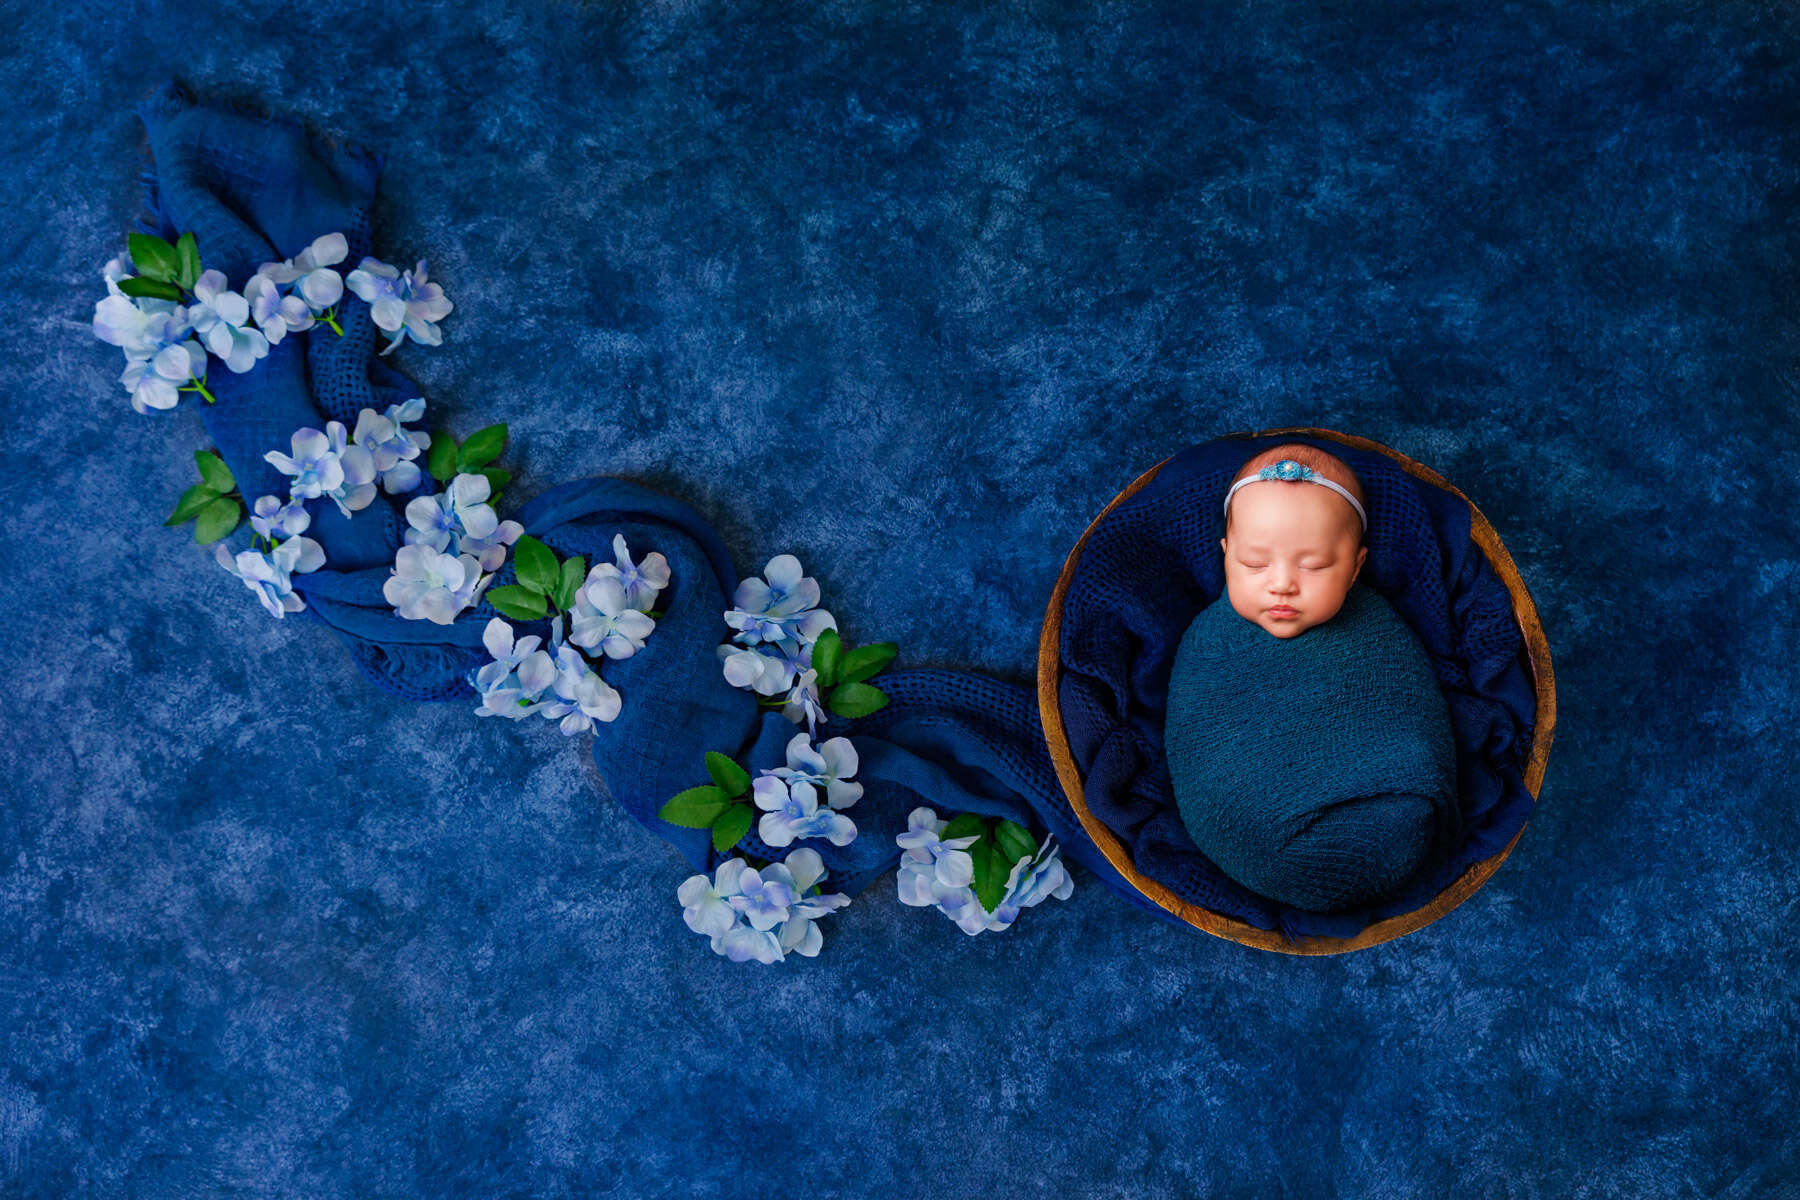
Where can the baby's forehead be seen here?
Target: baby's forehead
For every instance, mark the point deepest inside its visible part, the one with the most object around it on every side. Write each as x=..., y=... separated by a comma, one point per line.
x=1287, y=517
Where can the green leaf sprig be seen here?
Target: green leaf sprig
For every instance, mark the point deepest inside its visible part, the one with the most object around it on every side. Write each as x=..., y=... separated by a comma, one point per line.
x=212, y=505
x=720, y=806
x=542, y=582
x=999, y=845
x=842, y=674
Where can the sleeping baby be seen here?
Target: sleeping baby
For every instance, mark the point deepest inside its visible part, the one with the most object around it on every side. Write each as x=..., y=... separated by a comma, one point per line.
x=1309, y=746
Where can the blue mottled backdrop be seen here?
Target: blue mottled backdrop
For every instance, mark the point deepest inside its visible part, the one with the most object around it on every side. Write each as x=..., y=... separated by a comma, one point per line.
x=911, y=290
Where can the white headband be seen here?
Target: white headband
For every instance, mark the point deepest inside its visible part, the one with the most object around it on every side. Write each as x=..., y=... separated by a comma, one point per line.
x=1287, y=468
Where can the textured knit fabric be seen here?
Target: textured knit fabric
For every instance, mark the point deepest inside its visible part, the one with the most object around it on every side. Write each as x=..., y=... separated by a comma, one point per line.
x=1315, y=770
x=1154, y=561
x=255, y=190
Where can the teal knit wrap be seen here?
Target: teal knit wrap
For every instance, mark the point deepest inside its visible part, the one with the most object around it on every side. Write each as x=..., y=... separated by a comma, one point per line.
x=1316, y=770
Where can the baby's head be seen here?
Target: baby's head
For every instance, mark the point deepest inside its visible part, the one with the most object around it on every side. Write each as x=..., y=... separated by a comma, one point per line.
x=1293, y=547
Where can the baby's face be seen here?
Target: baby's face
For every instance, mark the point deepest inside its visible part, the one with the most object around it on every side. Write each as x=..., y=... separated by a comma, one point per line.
x=1291, y=555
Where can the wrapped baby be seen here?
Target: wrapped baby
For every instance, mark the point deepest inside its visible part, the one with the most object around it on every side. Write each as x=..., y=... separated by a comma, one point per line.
x=1310, y=749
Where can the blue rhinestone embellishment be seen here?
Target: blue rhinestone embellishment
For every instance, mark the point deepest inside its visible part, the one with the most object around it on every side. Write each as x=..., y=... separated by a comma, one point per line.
x=1287, y=468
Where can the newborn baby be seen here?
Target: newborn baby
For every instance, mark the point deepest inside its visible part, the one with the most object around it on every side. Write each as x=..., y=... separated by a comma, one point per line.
x=1308, y=744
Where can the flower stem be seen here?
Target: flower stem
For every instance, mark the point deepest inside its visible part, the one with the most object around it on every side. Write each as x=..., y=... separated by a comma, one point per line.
x=329, y=316
x=200, y=386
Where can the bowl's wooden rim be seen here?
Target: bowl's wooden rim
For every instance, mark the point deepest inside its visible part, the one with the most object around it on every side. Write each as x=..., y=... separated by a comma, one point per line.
x=1049, y=677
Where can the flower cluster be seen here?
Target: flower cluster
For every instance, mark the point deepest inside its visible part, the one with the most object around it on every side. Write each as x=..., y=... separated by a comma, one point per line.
x=778, y=620
x=789, y=796
x=453, y=544
x=328, y=464
x=400, y=303
x=167, y=314
x=609, y=614
x=760, y=914
x=938, y=871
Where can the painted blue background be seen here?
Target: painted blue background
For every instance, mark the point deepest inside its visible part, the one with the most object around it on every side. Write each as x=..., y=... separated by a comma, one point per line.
x=911, y=291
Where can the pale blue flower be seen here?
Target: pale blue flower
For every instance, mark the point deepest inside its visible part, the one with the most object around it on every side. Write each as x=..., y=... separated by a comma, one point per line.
x=119, y=319
x=160, y=351
x=705, y=902
x=962, y=906
x=641, y=581
x=490, y=551
x=948, y=860
x=219, y=315
x=393, y=446
x=765, y=896
x=401, y=304
x=314, y=464
x=269, y=575
x=276, y=315
x=309, y=272
x=803, y=703
x=460, y=514
x=276, y=518
x=126, y=321
x=1034, y=879
x=512, y=685
x=931, y=874
x=429, y=585
x=791, y=811
x=760, y=915
x=583, y=696
x=602, y=620
x=768, y=667
x=798, y=933
x=829, y=766
x=498, y=637
x=357, y=490
x=741, y=943
x=784, y=605
x=155, y=382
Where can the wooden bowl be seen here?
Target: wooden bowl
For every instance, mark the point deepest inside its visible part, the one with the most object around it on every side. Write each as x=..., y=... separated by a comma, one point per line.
x=1050, y=678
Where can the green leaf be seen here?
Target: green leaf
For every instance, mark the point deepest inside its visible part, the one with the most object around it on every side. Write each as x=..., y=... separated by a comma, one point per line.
x=535, y=564
x=732, y=779
x=1015, y=841
x=441, y=461
x=731, y=827
x=482, y=447
x=213, y=471
x=991, y=870
x=519, y=603
x=191, y=502
x=574, y=572
x=865, y=661
x=216, y=519
x=155, y=258
x=826, y=652
x=963, y=826
x=497, y=479
x=152, y=289
x=856, y=699
x=695, y=808
x=187, y=257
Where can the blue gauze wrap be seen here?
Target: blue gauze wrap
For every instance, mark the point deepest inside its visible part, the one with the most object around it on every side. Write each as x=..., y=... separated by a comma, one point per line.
x=1316, y=770
x=256, y=190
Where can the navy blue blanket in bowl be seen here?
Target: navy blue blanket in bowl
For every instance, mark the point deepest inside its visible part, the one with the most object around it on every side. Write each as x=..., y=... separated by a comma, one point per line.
x=1154, y=562
x=253, y=191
